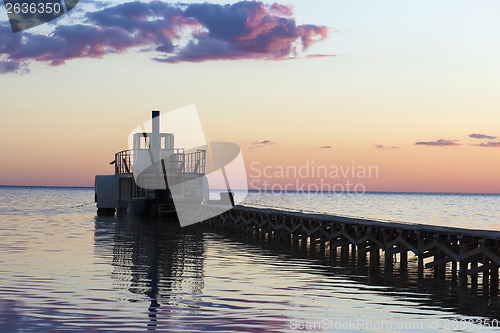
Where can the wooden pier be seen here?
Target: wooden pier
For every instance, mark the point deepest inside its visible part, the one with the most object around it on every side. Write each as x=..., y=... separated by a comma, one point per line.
x=468, y=256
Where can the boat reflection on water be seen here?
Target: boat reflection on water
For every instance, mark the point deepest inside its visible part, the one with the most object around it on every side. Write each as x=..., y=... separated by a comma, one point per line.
x=160, y=261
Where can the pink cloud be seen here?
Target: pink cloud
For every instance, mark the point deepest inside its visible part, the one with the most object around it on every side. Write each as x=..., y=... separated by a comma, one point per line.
x=379, y=146
x=282, y=10
x=243, y=30
x=319, y=56
x=495, y=144
x=482, y=136
x=263, y=143
x=439, y=143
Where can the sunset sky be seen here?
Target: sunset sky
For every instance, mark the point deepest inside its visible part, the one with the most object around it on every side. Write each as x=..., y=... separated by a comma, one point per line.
x=411, y=87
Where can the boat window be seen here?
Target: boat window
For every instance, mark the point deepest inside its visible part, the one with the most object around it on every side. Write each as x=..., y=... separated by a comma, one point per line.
x=144, y=143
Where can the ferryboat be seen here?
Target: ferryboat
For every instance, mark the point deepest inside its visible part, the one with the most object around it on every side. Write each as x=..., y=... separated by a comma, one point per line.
x=155, y=179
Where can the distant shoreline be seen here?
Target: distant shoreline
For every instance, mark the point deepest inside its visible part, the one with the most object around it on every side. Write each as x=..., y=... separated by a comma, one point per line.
x=46, y=186
x=378, y=192
x=270, y=191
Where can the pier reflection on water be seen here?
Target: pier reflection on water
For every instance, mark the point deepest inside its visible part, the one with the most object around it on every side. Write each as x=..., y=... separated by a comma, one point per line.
x=193, y=280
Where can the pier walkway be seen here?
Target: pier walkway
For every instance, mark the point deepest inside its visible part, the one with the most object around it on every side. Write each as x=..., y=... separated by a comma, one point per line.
x=466, y=255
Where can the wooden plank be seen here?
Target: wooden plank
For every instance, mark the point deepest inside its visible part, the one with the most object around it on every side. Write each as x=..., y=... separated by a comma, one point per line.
x=446, y=250
x=490, y=254
x=326, y=234
x=395, y=250
x=438, y=262
x=467, y=255
x=428, y=254
x=376, y=241
x=494, y=276
x=428, y=246
x=304, y=229
x=362, y=239
x=313, y=230
x=364, y=249
x=349, y=238
x=337, y=234
x=342, y=242
x=478, y=269
x=390, y=244
x=407, y=245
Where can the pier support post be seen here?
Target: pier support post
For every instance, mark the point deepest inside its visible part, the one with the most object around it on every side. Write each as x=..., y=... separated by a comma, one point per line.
x=463, y=247
x=468, y=252
x=486, y=275
x=322, y=247
x=295, y=240
x=403, y=261
x=312, y=245
x=374, y=254
x=474, y=276
x=256, y=233
x=420, y=256
x=344, y=254
x=362, y=249
x=494, y=278
x=287, y=239
x=388, y=263
x=333, y=253
x=439, y=259
x=454, y=270
x=388, y=256
x=303, y=243
x=353, y=254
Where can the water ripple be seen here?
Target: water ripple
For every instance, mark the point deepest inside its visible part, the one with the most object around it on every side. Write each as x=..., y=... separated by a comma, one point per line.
x=63, y=269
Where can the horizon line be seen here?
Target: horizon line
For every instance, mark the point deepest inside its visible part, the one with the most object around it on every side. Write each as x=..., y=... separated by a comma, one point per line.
x=271, y=191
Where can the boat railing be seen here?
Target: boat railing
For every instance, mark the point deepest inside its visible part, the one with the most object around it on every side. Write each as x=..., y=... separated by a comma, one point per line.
x=195, y=162
x=178, y=162
x=188, y=162
x=123, y=162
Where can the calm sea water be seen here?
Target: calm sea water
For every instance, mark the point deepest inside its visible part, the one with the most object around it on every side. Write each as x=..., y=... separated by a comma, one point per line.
x=472, y=211
x=64, y=269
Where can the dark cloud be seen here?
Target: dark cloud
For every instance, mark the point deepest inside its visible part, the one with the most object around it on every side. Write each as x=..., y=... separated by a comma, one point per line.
x=440, y=142
x=175, y=32
x=9, y=67
x=320, y=56
x=260, y=144
x=246, y=30
x=326, y=147
x=482, y=136
x=264, y=142
x=495, y=144
x=379, y=146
